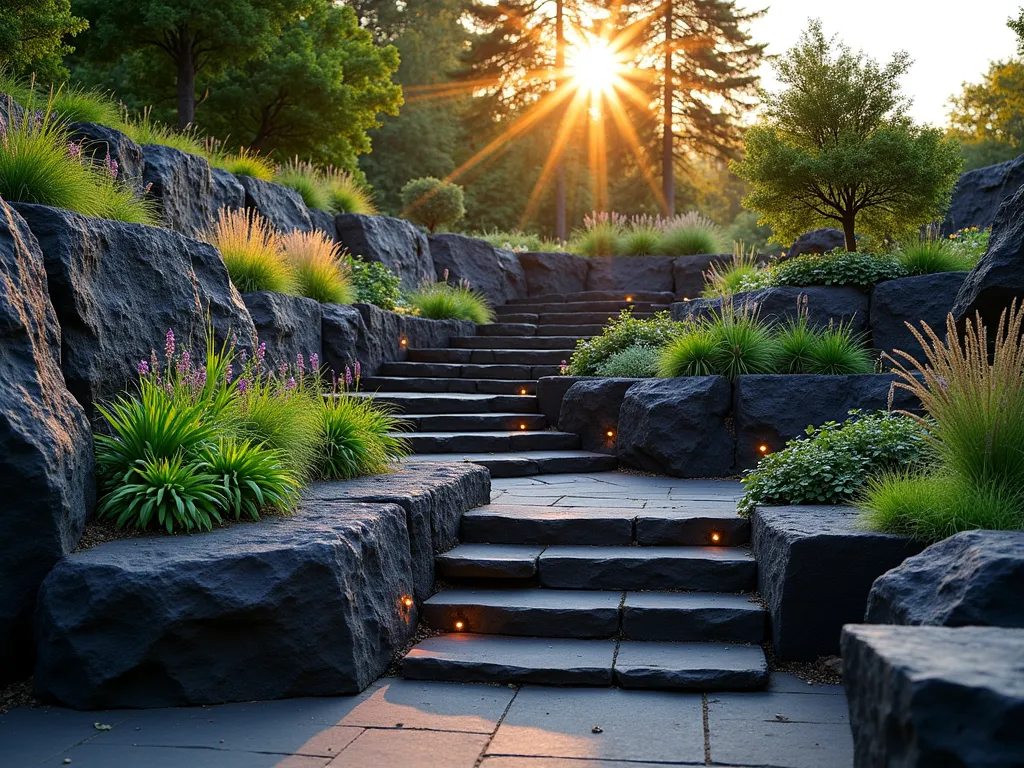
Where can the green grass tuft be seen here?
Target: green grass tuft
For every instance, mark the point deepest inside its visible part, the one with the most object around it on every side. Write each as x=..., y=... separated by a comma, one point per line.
x=305, y=179
x=361, y=436
x=252, y=253
x=640, y=241
x=925, y=257
x=439, y=301
x=345, y=194
x=795, y=341
x=318, y=269
x=692, y=353
x=837, y=351
x=145, y=130
x=244, y=162
x=690, y=234
x=601, y=239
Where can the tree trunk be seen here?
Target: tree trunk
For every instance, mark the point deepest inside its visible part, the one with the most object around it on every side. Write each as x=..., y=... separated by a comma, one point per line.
x=848, y=231
x=561, y=229
x=186, y=80
x=668, y=177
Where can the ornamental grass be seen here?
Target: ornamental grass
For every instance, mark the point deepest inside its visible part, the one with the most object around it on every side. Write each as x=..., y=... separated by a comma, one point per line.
x=318, y=269
x=252, y=252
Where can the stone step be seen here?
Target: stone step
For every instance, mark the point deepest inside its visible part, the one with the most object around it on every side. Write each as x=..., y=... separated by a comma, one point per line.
x=542, y=308
x=698, y=569
x=493, y=356
x=491, y=442
x=455, y=370
x=489, y=561
x=507, y=329
x=660, y=297
x=573, y=331
x=583, y=318
x=662, y=616
x=531, y=462
x=514, y=342
x=690, y=523
x=414, y=403
x=449, y=384
x=525, y=612
x=477, y=422
x=511, y=660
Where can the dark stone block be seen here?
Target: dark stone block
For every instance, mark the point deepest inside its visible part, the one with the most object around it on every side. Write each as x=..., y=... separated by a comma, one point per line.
x=771, y=409
x=677, y=427
x=825, y=305
x=688, y=272
x=496, y=273
x=925, y=298
x=228, y=191
x=289, y=325
x=693, y=617
x=396, y=243
x=925, y=697
x=117, y=289
x=280, y=205
x=817, y=241
x=591, y=410
x=971, y=578
x=979, y=193
x=550, y=393
x=630, y=273
x=305, y=605
x=434, y=496
x=997, y=280
x=323, y=221
x=182, y=186
x=46, y=457
x=100, y=141
x=815, y=567
x=559, y=273
x=342, y=332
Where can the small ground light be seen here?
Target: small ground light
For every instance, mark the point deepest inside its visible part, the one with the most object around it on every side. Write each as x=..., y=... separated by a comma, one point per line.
x=459, y=625
x=403, y=342
x=408, y=602
x=716, y=537
x=629, y=298
x=610, y=433
x=522, y=391
x=762, y=448
x=522, y=426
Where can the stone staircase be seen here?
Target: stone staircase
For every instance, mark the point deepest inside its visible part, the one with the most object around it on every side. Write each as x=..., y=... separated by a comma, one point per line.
x=657, y=598
x=476, y=400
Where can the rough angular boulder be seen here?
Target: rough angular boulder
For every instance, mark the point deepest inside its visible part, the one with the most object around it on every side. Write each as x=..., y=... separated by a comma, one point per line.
x=496, y=273
x=998, y=278
x=117, y=289
x=280, y=205
x=306, y=605
x=924, y=697
x=554, y=273
x=394, y=242
x=630, y=273
x=817, y=241
x=289, y=325
x=677, y=427
x=979, y=194
x=825, y=305
x=342, y=330
x=590, y=409
x=815, y=567
x=688, y=272
x=770, y=409
x=971, y=578
x=924, y=298
x=46, y=457
x=100, y=142
x=182, y=186
x=228, y=191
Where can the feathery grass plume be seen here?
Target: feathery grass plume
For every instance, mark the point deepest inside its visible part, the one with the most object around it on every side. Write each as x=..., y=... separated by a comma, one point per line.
x=600, y=235
x=345, y=194
x=640, y=237
x=692, y=353
x=319, y=271
x=145, y=130
x=837, y=351
x=305, y=179
x=973, y=394
x=244, y=162
x=251, y=477
x=69, y=103
x=251, y=250
x=362, y=437
x=925, y=257
x=727, y=280
x=689, y=234
x=440, y=301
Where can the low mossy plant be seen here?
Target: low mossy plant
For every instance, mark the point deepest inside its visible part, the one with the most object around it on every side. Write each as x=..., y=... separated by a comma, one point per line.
x=636, y=362
x=374, y=283
x=624, y=332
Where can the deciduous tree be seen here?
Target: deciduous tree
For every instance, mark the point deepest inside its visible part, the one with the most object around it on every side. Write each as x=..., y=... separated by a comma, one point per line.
x=33, y=37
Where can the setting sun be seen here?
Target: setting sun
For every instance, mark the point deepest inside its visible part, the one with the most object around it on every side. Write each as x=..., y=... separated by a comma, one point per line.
x=595, y=66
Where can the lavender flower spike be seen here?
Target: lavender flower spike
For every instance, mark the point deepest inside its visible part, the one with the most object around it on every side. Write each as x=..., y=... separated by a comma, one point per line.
x=143, y=368
x=169, y=344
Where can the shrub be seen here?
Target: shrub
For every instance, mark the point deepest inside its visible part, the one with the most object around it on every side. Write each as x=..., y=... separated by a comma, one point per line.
x=318, y=269
x=305, y=179
x=145, y=130
x=726, y=281
x=837, y=351
x=690, y=234
x=622, y=333
x=925, y=257
x=171, y=492
x=40, y=164
x=252, y=253
x=374, y=283
x=833, y=462
x=973, y=393
x=244, y=162
x=440, y=301
x=640, y=239
x=632, y=363
x=839, y=267
x=345, y=194
x=361, y=437
x=250, y=477
x=433, y=203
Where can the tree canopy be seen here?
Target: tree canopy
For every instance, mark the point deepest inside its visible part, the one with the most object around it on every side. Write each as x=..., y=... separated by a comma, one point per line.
x=836, y=147
x=32, y=37
x=988, y=117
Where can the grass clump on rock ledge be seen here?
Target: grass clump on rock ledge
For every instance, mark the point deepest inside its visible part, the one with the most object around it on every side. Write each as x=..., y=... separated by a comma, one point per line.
x=621, y=334
x=317, y=267
x=252, y=253
x=440, y=301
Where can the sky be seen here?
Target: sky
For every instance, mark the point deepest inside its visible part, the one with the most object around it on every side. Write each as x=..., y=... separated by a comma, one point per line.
x=950, y=42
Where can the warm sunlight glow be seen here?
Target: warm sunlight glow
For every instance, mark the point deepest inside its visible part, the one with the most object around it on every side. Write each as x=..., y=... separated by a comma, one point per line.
x=595, y=66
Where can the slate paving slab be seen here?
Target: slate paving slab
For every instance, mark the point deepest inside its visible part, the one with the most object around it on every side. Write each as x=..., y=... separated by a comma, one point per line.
x=782, y=745
x=635, y=725
x=693, y=616
x=422, y=749
x=108, y=755
x=690, y=666
x=490, y=561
